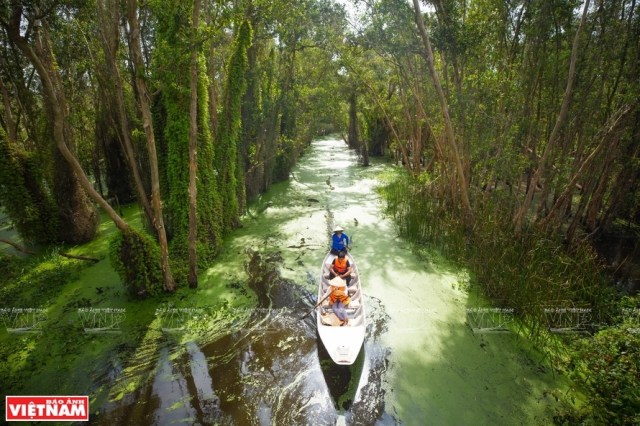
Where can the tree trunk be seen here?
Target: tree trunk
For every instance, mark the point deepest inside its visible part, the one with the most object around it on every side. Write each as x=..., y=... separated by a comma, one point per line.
x=145, y=107
x=519, y=217
x=80, y=215
x=12, y=127
x=450, y=135
x=612, y=126
x=110, y=41
x=193, y=162
x=352, y=136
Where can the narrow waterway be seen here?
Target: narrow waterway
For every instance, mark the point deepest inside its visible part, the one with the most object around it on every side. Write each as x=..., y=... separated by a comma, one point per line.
x=421, y=363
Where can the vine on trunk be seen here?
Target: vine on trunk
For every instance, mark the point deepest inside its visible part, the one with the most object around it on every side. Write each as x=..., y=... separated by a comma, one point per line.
x=134, y=256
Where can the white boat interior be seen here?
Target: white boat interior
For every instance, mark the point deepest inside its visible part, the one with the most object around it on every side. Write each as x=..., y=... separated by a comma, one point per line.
x=343, y=342
x=354, y=290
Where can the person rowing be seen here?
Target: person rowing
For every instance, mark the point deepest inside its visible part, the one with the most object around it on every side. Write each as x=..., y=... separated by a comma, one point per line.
x=338, y=299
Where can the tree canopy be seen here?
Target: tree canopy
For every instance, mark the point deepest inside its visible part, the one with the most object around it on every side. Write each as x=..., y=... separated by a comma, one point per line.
x=530, y=105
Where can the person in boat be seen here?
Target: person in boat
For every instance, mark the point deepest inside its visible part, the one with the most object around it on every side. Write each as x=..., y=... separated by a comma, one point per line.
x=340, y=267
x=338, y=299
x=339, y=240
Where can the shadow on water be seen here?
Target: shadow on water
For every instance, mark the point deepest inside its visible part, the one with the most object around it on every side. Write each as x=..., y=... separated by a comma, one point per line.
x=268, y=369
x=342, y=380
x=419, y=363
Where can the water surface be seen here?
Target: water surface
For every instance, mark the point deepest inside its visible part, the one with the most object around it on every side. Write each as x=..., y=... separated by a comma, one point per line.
x=261, y=364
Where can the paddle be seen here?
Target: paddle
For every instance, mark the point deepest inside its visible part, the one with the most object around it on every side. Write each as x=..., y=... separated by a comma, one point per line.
x=314, y=308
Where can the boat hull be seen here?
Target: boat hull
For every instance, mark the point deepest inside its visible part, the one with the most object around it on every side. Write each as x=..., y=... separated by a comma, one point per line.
x=343, y=343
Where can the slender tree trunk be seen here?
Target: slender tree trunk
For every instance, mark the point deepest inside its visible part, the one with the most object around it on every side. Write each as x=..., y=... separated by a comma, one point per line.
x=613, y=125
x=451, y=139
x=577, y=218
x=193, y=162
x=352, y=138
x=41, y=57
x=110, y=40
x=627, y=177
x=12, y=127
x=145, y=107
x=519, y=217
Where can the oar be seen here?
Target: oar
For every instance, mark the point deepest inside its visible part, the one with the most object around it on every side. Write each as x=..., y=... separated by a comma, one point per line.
x=314, y=308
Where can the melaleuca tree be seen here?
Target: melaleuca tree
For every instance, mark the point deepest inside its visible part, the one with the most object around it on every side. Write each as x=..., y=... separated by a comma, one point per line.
x=25, y=184
x=36, y=45
x=251, y=141
x=171, y=69
x=78, y=217
x=24, y=196
x=209, y=203
x=308, y=35
x=126, y=177
x=230, y=179
x=135, y=48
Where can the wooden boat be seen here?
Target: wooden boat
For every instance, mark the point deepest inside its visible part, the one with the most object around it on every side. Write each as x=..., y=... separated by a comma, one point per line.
x=343, y=343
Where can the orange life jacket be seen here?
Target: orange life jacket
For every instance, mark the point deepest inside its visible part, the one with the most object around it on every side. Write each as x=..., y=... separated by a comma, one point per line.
x=338, y=293
x=341, y=265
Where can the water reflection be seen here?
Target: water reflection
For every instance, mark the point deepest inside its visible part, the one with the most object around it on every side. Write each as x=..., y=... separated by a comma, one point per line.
x=266, y=366
x=268, y=370
x=342, y=380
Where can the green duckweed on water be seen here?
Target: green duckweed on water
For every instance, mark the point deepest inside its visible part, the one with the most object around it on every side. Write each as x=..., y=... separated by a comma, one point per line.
x=234, y=351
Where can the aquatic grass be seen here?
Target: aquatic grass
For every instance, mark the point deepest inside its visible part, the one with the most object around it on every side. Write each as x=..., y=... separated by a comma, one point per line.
x=529, y=273
x=543, y=281
x=62, y=353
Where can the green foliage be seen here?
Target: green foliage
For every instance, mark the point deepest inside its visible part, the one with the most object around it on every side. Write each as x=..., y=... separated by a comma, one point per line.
x=33, y=282
x=375, y=133
x=230, y=178
x=171, y=69
x=287, y=154
x=527, y=273
x=136, y=258
x=209, y=202
x=24, y=196
x=172, y=60
x=607, y=367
